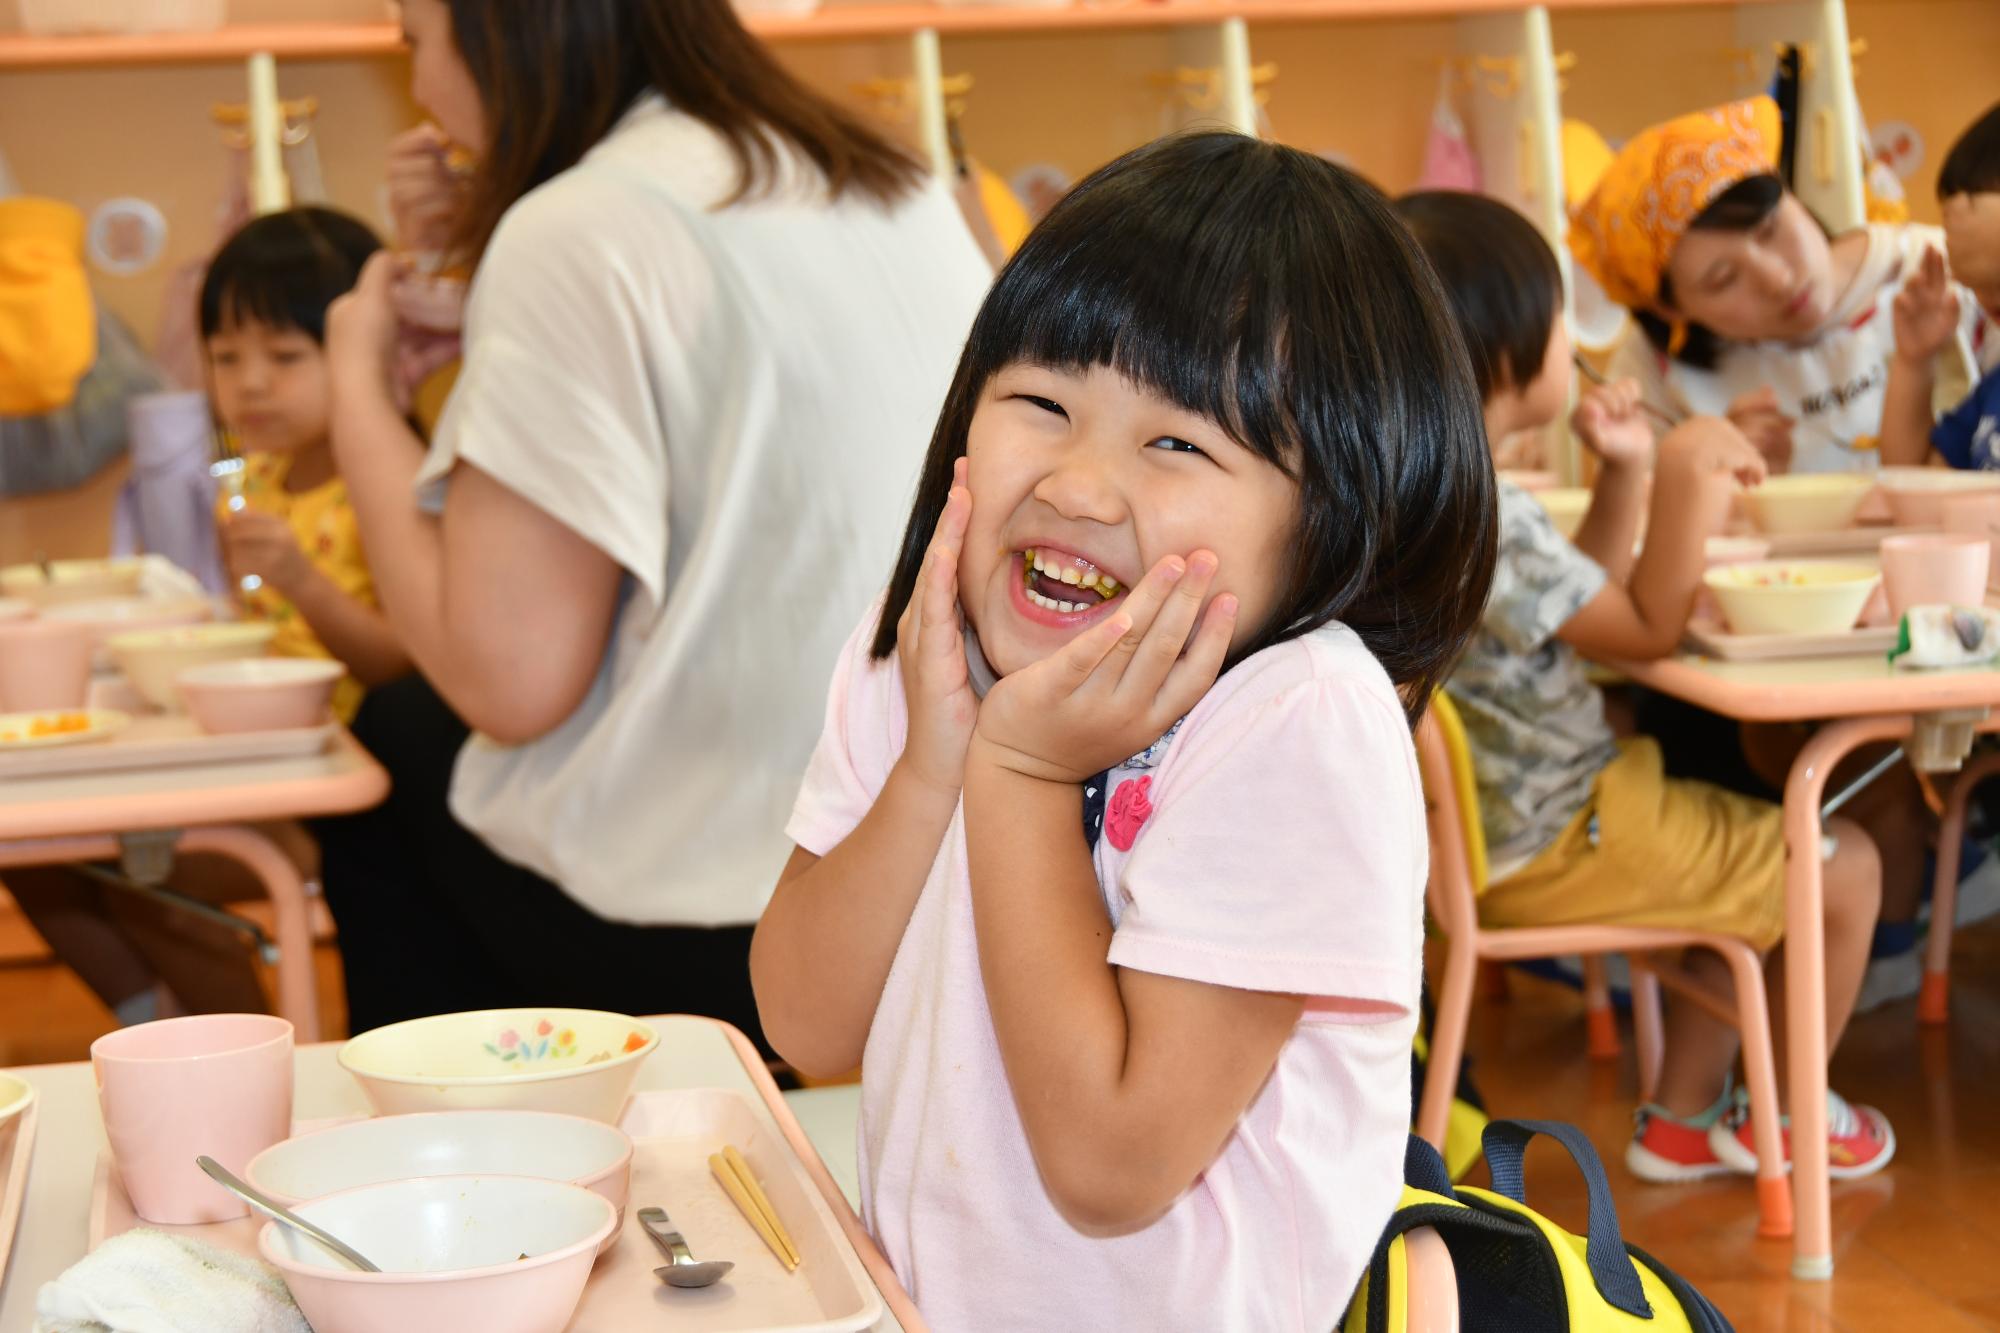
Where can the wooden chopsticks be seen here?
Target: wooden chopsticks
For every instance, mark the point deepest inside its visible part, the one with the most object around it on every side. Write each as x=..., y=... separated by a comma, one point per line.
x=733, y=1173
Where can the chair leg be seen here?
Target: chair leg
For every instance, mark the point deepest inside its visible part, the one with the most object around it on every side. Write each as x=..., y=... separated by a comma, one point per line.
x=1933, y=1001
x=1648, y=1033
x=1600, y=1021
x=1447, y=1048
x=1760, y=1073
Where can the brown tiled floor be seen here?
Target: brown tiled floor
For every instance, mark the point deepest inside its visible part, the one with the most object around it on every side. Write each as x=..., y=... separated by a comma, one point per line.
x=1918, y=1247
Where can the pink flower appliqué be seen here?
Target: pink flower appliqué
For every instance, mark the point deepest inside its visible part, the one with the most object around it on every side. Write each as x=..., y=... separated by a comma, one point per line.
x=1129, y=811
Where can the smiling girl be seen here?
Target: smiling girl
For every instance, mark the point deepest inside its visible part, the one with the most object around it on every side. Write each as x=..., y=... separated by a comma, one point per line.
x=1110, y=861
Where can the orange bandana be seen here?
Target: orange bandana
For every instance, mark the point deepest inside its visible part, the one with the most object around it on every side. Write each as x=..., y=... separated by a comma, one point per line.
x=1659, y=183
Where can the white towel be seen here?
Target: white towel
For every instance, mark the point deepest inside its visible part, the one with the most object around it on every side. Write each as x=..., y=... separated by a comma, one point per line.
x=146, y=1281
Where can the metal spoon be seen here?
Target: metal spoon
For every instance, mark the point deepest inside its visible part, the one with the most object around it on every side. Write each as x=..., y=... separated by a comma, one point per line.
x=280, y=1214
x=682, y=1270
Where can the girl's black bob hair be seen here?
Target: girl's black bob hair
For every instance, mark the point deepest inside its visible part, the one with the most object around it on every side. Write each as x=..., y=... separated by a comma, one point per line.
x=284, y=269
x=1277, y=295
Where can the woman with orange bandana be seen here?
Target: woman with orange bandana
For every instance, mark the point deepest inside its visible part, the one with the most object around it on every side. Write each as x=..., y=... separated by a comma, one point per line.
x=1745, y=306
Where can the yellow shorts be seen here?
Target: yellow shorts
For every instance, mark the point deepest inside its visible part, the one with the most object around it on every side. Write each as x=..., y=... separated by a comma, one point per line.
x=1666, y=852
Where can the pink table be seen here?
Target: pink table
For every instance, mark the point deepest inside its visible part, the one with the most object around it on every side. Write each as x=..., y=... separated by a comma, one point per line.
x=201, y=808
x=1861, y=699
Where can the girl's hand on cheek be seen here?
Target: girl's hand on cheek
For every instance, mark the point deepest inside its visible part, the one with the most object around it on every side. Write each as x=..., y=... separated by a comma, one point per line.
x=1117, y=687
x=930, y=647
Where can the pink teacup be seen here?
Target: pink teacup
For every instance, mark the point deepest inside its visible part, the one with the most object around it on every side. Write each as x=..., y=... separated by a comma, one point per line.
x=1934, y=568
x=1977, y=515
x=44, y=664
x=218, y=1085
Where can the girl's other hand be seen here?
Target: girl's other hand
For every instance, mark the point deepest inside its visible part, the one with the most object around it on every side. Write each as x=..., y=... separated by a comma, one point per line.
x=1611, y=425
x=425, y=194
x=1757, y=415
x=1118, y=686
x=930, y=646
x=1926, y=312
x=263, y=545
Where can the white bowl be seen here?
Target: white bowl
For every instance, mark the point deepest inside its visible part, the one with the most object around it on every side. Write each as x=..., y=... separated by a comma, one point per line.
x=1793, y=596
x=72, y=581
x=500, y=1254
x=492, y=1059
x=15, y=1094
x=1917, y=495
x=567, y=1148
x=151, y=659
x=108, y=616
x=1807, y=501
x=259, y=693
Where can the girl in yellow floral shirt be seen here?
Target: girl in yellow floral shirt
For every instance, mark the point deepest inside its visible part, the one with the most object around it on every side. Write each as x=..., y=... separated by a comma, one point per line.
x=291, y=542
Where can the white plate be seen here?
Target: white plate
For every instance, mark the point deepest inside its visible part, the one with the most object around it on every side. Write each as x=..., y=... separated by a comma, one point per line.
x=101, y=722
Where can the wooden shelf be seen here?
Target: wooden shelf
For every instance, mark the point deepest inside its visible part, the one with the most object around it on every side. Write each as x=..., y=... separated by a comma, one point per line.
x=891, y=20
x=292, y=41
x=309, y=41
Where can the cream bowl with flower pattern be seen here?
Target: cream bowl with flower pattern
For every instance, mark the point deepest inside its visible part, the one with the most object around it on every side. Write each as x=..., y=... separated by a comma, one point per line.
x=572, y=1061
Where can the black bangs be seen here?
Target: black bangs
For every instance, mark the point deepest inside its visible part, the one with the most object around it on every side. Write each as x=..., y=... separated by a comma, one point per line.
x=283, y=271
x=1275, y=294
x=1173, y=278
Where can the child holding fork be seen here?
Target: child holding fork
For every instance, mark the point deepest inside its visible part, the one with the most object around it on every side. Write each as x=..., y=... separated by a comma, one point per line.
x=289, y=535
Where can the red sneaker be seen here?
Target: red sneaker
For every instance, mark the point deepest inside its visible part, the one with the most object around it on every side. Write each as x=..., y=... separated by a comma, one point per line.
x=1859, y=1140
x=1666, y=1149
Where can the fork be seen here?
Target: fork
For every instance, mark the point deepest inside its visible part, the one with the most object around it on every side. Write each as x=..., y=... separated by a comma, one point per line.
x=228, y=471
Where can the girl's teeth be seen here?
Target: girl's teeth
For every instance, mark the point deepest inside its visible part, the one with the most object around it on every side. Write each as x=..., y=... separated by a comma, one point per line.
x=1051, y=604
x=1066, y=569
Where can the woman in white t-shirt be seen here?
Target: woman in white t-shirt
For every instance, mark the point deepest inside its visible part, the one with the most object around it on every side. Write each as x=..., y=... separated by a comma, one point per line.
x=1745, y=308
x=711, y=320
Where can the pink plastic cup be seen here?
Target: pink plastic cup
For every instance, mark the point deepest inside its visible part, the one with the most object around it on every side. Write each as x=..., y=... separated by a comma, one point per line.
x=1932, y=568
x=1979, y=516
x=218, y=1085
x=44, y=664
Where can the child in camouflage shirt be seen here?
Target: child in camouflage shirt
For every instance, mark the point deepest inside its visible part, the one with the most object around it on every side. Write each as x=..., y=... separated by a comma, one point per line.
x=1583, y=827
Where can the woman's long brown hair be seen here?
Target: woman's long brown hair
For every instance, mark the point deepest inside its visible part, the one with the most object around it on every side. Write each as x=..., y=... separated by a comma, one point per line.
x=554, y=76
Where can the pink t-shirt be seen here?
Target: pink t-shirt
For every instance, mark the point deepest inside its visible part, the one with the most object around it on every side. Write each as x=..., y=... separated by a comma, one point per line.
x=1277, y=844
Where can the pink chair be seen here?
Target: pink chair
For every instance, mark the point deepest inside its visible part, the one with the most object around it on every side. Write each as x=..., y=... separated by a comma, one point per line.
x=1934, y=1002
x=1458, y=873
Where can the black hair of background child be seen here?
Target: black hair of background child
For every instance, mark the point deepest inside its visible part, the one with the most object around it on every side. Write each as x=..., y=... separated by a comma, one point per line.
x=1742, y=207
x=1277, y=295
x=284, y=270
x=1501, y=276
x=1973, y=164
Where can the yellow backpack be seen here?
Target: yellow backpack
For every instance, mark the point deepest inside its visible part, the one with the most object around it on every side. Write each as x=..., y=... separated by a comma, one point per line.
x=1515, y=1269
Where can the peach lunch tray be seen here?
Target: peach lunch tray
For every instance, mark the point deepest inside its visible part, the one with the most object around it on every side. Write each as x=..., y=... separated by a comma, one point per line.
x=673, y=1134
x=17, y=1147
x=162, y=741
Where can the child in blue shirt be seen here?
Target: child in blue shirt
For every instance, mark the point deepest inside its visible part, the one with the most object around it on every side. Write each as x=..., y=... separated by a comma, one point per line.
x=1927, y=314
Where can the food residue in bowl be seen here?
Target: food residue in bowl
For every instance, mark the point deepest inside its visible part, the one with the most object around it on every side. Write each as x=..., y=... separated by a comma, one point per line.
x=45, y=725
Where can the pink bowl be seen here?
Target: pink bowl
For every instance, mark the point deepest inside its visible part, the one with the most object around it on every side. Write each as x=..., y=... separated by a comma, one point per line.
x=259, y=693
x=1917, y=496
x=501, y=1254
